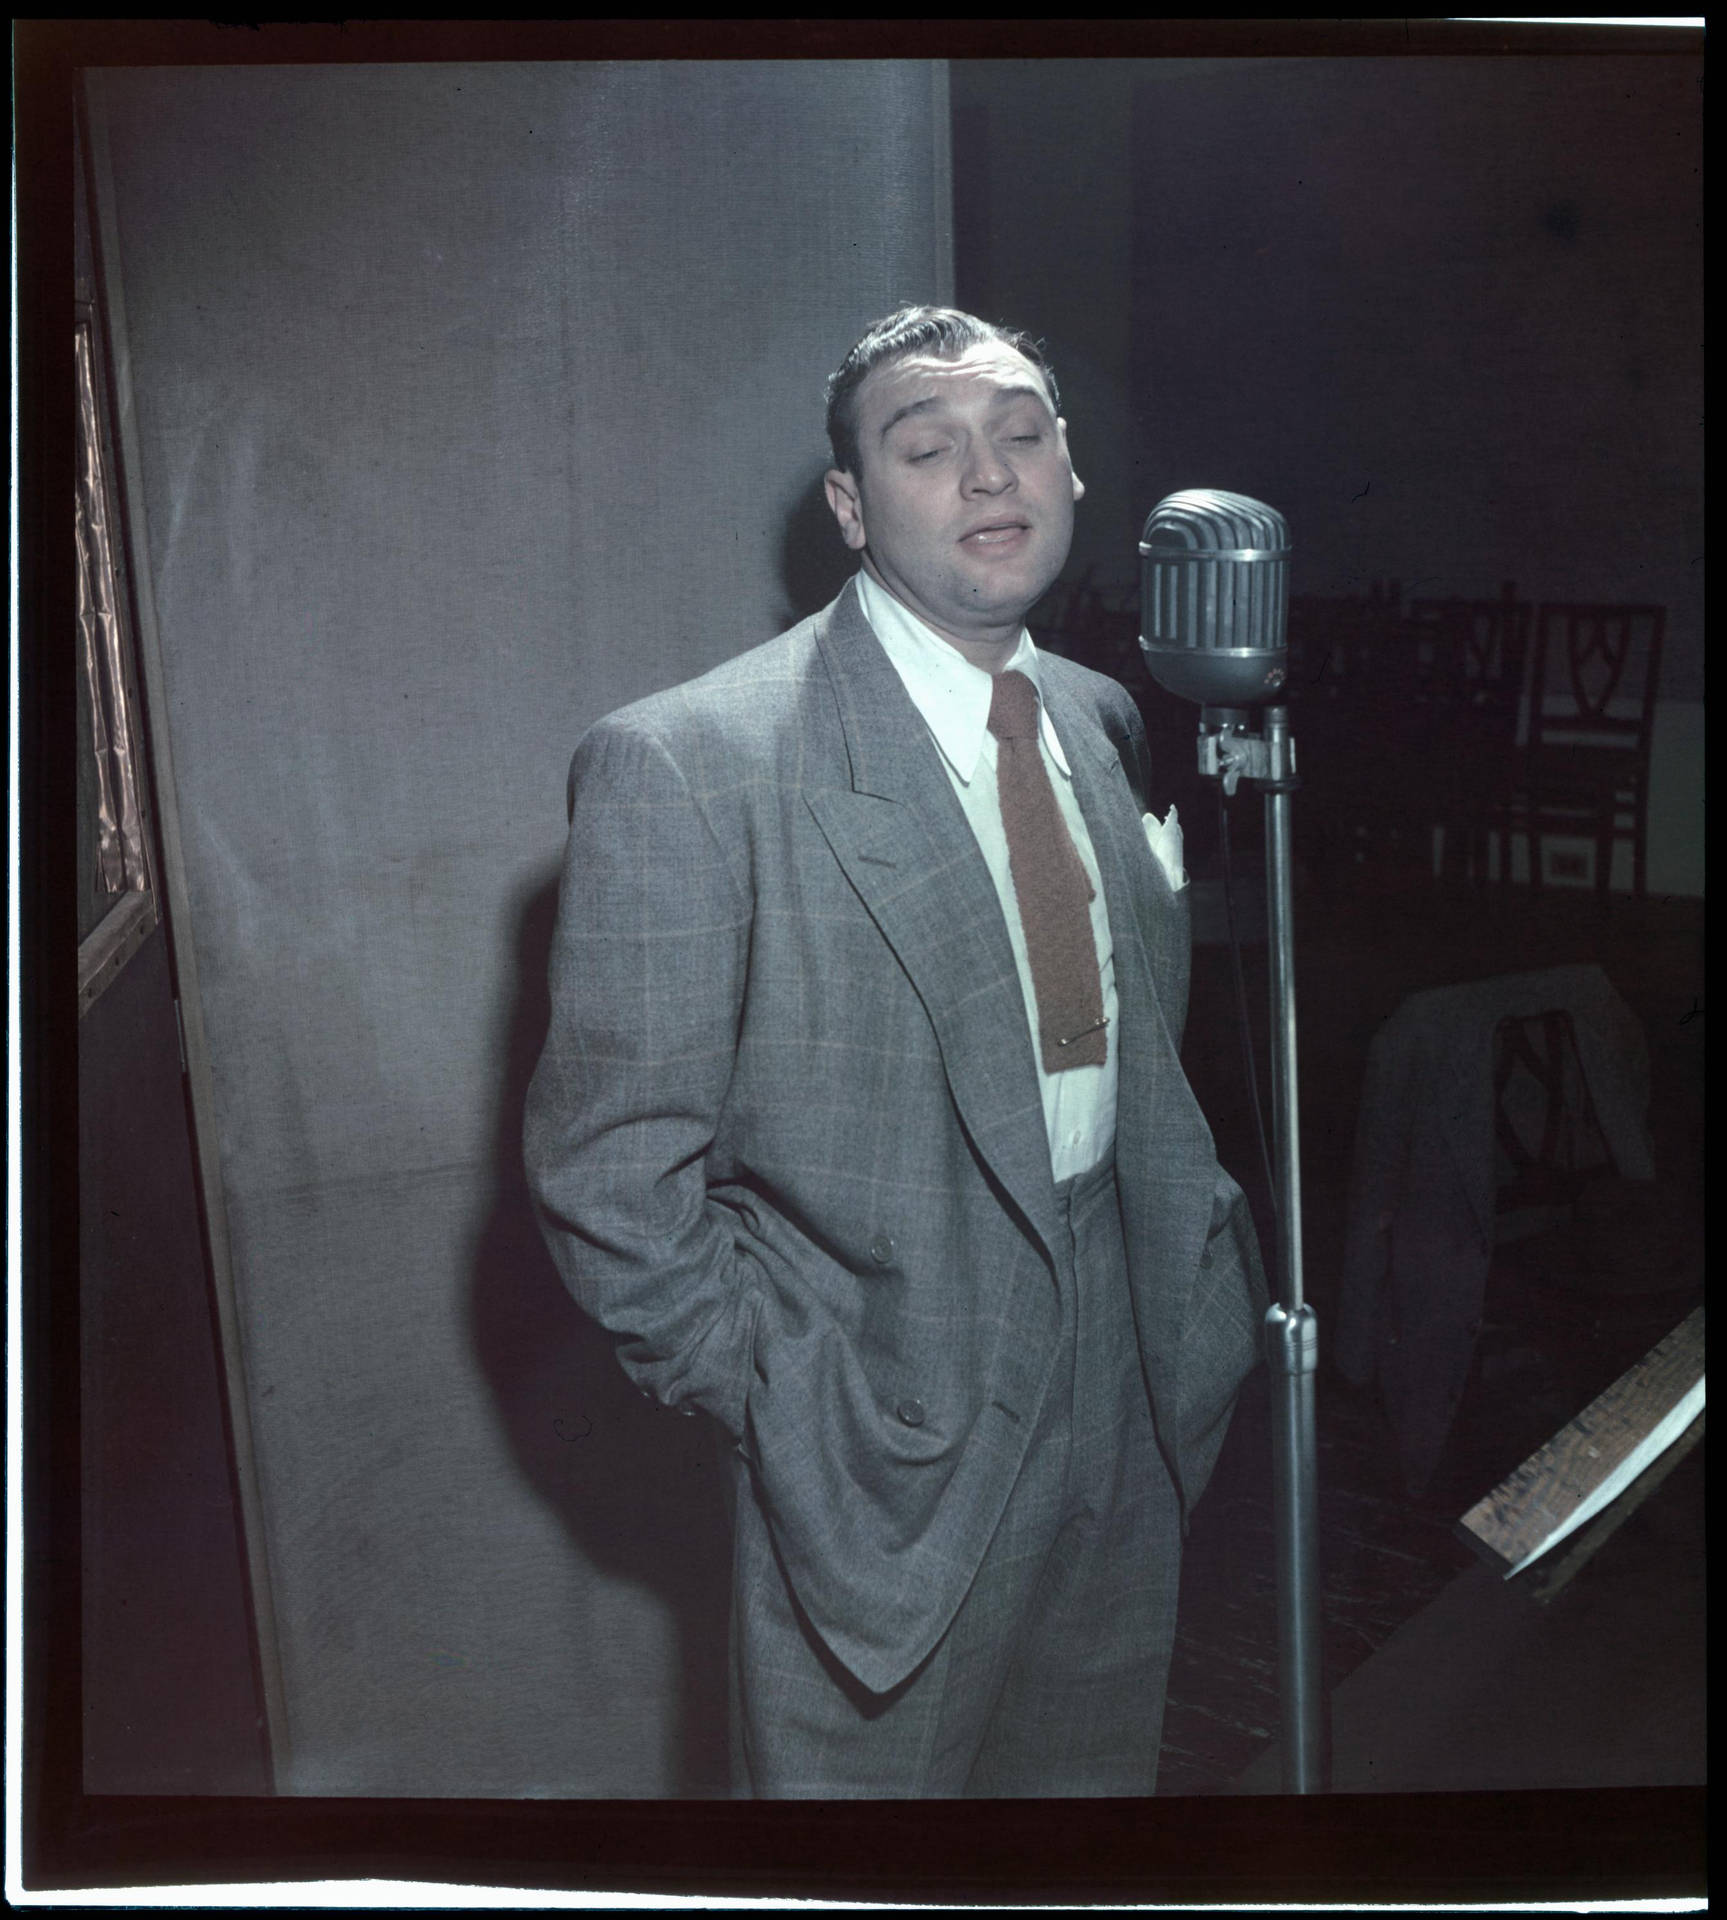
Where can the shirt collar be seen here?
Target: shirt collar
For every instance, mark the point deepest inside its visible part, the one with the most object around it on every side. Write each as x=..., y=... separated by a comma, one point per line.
x=952, y=695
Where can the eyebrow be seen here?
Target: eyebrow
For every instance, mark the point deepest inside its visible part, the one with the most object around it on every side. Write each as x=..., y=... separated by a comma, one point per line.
x=934, y=400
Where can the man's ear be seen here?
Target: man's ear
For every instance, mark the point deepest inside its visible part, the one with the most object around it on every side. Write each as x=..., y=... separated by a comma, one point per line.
x=1078, y=483
x=847, y=503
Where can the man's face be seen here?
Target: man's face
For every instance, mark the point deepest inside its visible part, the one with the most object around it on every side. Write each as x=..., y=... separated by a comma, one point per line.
x=963, y=502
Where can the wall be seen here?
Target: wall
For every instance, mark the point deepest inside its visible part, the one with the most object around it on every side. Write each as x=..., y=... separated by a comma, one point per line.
x=1444, y=311
x=469, y=403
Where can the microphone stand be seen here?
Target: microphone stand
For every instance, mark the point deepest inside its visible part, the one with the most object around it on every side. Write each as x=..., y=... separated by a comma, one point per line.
x=1231, y=753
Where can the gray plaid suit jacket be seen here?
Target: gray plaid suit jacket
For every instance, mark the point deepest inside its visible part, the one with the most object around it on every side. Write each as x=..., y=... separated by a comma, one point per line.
x=786, y=1134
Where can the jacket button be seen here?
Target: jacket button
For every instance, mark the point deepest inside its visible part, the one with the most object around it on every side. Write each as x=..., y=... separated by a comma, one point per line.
x=1205, y=1258
x=910, y=1412
x=881, y=1249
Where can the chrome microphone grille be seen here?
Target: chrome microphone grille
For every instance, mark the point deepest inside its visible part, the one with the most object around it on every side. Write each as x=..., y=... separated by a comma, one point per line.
x=1214, y=597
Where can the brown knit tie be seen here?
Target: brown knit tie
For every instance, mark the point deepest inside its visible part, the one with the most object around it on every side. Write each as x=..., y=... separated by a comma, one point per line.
x=1051, y=884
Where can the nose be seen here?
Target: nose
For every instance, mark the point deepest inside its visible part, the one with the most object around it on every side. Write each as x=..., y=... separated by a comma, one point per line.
x=986, y=472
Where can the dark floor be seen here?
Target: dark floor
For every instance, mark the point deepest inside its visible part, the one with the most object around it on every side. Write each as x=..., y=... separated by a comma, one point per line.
x=1364, y=942
x=1492, y=1689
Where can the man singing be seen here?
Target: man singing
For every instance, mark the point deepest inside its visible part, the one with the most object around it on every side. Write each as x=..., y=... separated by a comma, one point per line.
x=861, y=1123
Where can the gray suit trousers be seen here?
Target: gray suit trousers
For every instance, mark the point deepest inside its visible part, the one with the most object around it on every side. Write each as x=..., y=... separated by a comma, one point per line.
x=1050, y=1678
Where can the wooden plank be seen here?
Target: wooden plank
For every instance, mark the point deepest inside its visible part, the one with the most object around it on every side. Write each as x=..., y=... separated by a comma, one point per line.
x=1536, y=1501
x=1551, y=1576
x=111, y=943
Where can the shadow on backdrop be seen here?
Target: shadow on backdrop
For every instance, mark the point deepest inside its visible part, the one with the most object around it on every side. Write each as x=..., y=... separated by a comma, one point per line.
x=814, y=561
x=639, y=1489
x=642, y=1492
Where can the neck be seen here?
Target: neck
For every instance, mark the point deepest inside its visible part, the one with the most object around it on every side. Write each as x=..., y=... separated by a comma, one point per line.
x=992, y=655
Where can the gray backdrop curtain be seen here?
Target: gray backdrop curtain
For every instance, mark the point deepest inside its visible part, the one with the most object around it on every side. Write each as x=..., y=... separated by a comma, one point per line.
x=470, y=402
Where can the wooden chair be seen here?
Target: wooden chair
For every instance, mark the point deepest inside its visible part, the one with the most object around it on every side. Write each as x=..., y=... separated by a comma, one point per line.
x=1548, y=1142
x=1584, y=771
x=1490, y=1110
x=1348, y=665
x=1333, y=638
x=1469, y=660
x=1547, y=1340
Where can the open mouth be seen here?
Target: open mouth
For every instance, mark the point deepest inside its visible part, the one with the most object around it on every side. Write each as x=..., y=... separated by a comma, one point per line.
x=997, y=534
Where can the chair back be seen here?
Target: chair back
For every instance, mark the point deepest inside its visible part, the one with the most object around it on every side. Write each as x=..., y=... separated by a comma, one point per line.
x=1475, y=652
x=1548, y=1141
x=1334, y=640
x=1597, y=672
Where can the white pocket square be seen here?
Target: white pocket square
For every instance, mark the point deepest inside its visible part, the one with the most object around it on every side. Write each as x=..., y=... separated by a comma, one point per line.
x=1164, y=839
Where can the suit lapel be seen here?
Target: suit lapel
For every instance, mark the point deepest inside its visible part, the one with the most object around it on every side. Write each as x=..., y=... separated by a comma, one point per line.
x=907, y=848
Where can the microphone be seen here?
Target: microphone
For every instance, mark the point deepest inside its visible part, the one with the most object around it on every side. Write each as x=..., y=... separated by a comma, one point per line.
x=1214, y=612
x=1214, y=598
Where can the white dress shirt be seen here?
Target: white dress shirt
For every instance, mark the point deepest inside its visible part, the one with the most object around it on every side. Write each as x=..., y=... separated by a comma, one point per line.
x=953, y=697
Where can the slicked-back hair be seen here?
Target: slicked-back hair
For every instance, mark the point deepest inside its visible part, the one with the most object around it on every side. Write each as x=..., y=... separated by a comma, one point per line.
x=944, y=331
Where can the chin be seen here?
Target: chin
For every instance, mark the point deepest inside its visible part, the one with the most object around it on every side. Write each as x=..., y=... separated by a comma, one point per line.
x=1028, y=579
x=1016, y=601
